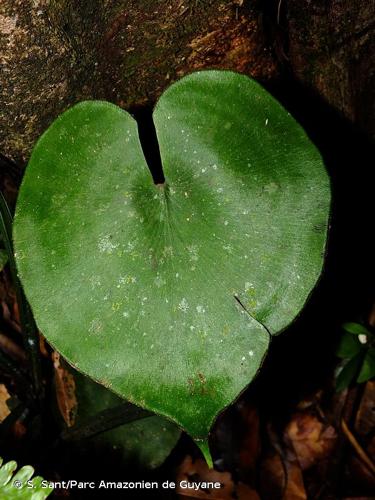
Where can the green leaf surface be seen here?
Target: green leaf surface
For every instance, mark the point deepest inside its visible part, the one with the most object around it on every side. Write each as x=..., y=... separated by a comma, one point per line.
x=349, y=346
x=146, y=442
x=20, y=485
x=356, y=329
x=167, y=294
x=349, y=372
x=368, y=366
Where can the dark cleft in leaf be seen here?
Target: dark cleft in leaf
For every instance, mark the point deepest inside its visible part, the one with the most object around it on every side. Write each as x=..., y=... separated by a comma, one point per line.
x=167, y=294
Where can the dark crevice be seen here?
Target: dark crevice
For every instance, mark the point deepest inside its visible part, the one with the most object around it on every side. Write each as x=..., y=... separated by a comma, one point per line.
x=251, y=316
x=149, y=143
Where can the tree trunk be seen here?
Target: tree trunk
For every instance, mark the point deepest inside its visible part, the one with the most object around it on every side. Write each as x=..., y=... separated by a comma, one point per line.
x=332, y=50
x=54, y=53
x=57, y=52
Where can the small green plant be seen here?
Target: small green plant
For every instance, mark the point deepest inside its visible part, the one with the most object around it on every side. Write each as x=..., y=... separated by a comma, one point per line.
x=169, y=294
x=357, y=350
x=21, y=485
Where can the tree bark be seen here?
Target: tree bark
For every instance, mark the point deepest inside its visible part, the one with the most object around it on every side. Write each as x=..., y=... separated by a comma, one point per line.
x=332, y=50
x=54, y=53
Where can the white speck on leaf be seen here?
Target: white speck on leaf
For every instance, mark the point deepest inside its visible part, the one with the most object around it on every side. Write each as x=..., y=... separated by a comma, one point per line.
x=94, y=281
x=95, y=326
x=183, y=305
x=159, y=281
x=105, y=245
x=271, y=188
x=193, y=251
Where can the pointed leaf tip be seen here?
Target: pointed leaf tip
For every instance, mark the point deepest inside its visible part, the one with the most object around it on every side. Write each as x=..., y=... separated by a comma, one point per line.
x=205, y=449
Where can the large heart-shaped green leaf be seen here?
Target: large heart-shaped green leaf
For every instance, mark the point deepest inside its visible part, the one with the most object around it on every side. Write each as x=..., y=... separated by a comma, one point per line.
x=168, y=294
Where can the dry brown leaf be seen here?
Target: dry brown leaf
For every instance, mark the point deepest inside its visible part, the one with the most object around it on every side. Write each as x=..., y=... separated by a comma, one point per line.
x=244, y=492
x=365, y=418
x=65, y=391
x=295, y=488
x=283, y=480
x=43, y=346
x=312, y=441
x=4, y=396
x=272, y=476
x=198, y=471
x=359, y=498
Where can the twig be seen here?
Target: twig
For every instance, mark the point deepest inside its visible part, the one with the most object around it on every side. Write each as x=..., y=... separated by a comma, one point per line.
x=357, y=447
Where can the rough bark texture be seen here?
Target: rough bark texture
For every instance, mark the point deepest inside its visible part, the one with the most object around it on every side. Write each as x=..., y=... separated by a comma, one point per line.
x=332, y=50
x=56, y=52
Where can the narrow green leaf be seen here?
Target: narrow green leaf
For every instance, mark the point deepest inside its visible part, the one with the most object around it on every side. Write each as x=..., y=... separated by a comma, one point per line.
x=368, y=367
x=349, y=346
x=349, y=372
x=356, y=329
